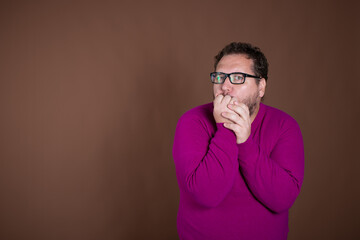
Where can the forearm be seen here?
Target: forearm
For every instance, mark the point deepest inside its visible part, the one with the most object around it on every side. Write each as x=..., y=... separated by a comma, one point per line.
x=205, y=165
x=275, y=179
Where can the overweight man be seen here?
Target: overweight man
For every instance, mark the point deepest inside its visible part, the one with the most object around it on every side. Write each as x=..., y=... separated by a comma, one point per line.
x=239, y=163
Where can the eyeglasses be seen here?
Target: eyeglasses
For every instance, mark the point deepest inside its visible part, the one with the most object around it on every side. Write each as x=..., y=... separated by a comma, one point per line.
x=235, y=77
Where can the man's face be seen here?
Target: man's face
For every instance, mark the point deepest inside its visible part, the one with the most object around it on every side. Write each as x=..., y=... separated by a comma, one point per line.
x=249, y=92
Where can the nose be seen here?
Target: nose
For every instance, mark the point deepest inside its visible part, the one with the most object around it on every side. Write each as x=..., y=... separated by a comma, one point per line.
x=226, y=86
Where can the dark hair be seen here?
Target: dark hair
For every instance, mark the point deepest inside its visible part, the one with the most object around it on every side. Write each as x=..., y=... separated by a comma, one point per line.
x=260, y=62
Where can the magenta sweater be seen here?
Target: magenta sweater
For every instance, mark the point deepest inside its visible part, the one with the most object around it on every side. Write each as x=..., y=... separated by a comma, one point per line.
x=237, y=191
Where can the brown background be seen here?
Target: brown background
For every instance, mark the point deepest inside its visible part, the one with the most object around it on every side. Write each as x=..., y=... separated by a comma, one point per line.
x=90, y=94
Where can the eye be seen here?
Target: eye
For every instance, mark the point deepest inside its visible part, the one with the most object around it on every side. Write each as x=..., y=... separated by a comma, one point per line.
x=238, y=78
x=220, y=78
x=217, y=78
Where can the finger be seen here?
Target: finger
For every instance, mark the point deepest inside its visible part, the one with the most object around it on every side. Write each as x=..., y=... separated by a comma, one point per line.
x=218, y=98
x=226, y=99
x=232, y=126
x=233, y=100
x=244, y=106
x=217, y=94
x=234, y=117
x=240, y=109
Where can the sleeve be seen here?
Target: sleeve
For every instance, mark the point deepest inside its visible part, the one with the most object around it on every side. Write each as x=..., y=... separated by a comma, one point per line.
x=205, y=165
x=275, y=179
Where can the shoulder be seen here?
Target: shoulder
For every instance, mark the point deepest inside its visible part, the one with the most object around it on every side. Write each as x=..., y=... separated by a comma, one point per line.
x=279, y=118
x=202, y=112
x=200, y=117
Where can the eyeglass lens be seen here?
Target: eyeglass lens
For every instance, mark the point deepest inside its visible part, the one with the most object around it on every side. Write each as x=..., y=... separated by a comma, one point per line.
x=234, y=77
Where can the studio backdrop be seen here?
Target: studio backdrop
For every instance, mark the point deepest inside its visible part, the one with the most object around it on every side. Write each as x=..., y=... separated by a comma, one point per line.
x=91, y=91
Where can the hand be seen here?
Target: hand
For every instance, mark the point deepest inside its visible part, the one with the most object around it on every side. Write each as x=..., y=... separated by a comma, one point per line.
x=238, y=121
x=221, y=103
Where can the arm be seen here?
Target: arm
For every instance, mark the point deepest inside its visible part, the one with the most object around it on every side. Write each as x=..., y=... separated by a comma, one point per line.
x=275, y=180
x=205, y=165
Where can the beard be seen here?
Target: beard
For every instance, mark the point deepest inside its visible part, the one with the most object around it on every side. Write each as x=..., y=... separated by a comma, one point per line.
x=251, y=102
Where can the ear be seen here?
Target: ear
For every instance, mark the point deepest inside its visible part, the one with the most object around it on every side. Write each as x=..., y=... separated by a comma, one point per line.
x=262, y=87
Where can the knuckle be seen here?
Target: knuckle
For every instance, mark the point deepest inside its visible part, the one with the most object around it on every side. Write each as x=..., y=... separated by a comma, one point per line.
x=232, y=116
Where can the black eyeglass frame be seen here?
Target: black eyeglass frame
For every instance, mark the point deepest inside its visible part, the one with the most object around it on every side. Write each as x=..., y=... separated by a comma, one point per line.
x=229, y=74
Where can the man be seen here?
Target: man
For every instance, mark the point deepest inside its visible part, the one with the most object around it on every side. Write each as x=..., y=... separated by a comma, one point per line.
x=239, y=163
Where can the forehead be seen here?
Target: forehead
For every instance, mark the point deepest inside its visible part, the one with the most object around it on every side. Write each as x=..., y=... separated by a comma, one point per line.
x=235, y=63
